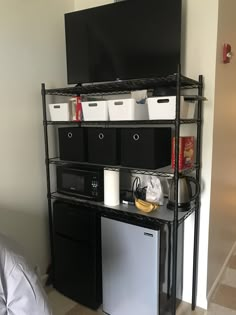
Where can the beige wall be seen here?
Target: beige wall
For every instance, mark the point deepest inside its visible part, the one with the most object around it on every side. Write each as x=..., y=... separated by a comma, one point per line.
x=32, y=51
x=199, y=57
x=222, y=235
x=85, y=4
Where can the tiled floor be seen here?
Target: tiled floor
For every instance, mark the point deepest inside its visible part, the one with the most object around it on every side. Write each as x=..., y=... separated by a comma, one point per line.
x=223, y=301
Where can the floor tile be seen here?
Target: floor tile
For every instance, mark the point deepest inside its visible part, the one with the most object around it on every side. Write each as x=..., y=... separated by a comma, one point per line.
x=59, y=303
x=232, y=262
x=226, y=296
x=229, y=278
x=223, y=300
x=185, y=309
x=215, y=309
x=82, y=310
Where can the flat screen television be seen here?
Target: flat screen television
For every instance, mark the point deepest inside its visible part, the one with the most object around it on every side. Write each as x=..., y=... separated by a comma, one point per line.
x=124, y=40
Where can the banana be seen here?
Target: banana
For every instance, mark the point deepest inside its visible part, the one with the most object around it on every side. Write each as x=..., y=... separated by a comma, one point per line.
x=143, y=202
x=145, y=206
x=147, y=203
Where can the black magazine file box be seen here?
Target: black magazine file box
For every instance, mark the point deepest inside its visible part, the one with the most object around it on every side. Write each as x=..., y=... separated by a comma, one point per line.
x=148, y=148
x=103, y=146
x=73, y=144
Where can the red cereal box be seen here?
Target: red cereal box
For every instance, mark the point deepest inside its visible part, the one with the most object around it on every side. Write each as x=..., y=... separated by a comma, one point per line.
x=78, y=109
x=186, y=152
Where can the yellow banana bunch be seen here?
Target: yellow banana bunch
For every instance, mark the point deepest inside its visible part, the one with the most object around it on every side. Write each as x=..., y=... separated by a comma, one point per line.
x=145, y=206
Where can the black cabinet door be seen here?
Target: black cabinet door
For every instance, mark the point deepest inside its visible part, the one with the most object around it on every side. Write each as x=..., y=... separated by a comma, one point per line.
x=73, y=276
x=72, y=222
x=77, y=259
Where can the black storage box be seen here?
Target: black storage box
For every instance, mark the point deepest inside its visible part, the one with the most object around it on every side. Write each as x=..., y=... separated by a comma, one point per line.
x=148, y=148
x=73, y=144
x=103, y=146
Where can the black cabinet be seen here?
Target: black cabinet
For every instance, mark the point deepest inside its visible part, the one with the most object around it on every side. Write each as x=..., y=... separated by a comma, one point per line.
x=77, y=253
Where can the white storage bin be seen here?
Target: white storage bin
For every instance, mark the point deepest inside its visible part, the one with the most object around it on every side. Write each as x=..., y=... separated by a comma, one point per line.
x=127, y=109
x=60, y=112
x=164, y=107
x=95, y=110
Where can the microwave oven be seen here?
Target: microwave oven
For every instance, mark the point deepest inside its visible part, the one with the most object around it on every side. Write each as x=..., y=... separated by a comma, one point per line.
x=80, y=182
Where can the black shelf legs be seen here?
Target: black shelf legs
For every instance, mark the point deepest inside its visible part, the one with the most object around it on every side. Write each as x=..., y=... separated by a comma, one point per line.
x=197, y=212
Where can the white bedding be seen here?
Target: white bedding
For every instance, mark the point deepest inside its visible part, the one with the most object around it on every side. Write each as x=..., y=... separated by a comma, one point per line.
x=21, y=292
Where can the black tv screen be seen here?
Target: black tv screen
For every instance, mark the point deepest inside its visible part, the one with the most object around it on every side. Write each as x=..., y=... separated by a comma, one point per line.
x=124, y=40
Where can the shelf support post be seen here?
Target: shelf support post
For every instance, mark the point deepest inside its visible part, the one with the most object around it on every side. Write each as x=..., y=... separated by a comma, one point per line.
x=176, y=177
x=45, y=128
x=197, y=211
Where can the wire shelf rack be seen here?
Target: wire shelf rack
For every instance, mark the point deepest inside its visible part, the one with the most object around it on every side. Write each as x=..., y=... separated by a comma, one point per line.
x=122, y=123
x=162, y=172
x=124, y=86
x=160, y=216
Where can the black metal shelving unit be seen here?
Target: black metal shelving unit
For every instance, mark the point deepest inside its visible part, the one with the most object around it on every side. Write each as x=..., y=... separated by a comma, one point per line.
x=163, y=216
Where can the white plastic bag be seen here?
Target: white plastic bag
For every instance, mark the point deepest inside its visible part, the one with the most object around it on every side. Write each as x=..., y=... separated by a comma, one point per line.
x=154, y=192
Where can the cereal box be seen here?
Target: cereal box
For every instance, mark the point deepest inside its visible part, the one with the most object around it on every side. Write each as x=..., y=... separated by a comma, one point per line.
x=186, y=152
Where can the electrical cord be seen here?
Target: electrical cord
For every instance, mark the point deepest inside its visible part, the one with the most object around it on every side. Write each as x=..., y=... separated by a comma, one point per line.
x=137, y=190
x=135, y=185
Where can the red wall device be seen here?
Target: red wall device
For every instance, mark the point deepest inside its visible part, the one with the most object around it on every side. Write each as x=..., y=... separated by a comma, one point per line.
x=226, y=53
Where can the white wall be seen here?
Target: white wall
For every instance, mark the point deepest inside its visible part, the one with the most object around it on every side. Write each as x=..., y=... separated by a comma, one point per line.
x=199, y=57
x=32, y=51
x=222, y=234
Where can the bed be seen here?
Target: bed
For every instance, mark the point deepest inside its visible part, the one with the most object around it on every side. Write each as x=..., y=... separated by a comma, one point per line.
x=21, y=292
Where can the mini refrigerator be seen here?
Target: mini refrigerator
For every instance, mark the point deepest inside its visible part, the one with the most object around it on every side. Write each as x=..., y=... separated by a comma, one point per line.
x=130, y=268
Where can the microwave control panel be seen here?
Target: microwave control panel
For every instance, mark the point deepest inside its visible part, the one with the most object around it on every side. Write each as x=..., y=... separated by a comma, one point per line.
x=95, y=186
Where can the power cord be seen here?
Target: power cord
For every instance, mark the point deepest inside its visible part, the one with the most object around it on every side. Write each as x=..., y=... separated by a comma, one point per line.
x=138, y=191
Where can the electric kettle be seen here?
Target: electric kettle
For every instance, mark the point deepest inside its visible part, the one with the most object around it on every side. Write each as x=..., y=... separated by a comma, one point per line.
x=185, y=194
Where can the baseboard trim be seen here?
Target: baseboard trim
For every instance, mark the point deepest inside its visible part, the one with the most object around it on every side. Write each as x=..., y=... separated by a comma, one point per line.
x=222, y=270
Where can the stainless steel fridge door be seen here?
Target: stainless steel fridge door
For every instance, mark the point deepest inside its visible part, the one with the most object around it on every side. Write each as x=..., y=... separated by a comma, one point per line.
x=130, y=268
